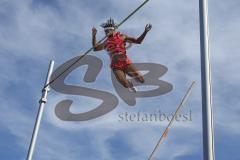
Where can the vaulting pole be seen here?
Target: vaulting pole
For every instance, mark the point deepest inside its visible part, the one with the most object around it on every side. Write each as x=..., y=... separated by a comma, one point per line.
x=100, y=41
x=207, y=112
x=42, y=102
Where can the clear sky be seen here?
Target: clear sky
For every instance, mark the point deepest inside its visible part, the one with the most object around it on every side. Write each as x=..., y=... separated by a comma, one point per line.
x=32, y=32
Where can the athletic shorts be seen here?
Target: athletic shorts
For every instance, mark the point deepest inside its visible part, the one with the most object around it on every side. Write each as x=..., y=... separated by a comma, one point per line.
x=121, y=64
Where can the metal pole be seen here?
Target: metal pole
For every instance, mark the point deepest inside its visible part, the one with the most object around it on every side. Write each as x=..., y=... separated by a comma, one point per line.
x=42, y=102
x=207, y=113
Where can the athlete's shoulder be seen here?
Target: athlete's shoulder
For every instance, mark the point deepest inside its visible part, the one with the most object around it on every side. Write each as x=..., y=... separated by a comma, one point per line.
x=123, y=35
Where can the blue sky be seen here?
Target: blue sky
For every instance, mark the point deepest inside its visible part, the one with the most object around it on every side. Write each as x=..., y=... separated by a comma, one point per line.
x=32, y=32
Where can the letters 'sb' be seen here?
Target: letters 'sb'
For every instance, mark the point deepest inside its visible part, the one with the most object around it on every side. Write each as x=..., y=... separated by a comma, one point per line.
x=109, y=101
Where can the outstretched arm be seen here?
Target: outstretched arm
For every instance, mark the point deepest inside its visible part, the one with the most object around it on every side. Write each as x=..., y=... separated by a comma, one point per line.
x=96, y=47
x=139, y=40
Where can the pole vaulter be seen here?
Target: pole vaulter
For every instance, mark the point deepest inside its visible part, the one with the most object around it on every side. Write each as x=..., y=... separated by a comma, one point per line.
x=48, y=81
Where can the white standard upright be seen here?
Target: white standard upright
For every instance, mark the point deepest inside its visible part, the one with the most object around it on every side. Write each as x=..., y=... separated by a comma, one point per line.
x=207, y=111
x=42, y=102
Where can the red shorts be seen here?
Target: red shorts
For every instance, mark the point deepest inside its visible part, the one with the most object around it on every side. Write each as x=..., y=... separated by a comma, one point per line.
x=121, y=64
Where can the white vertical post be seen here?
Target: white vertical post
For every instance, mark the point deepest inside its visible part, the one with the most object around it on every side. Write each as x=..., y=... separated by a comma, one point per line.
x=207, y=112
x=42, y=102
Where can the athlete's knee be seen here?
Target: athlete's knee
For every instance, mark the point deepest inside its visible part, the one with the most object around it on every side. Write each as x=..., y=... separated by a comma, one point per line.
x=125, y=83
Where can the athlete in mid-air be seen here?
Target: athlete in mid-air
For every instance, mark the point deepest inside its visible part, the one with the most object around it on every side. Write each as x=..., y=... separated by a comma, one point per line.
x=115, y=45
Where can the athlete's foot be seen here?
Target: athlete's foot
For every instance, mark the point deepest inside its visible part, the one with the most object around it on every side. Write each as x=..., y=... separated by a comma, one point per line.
x=132, y=89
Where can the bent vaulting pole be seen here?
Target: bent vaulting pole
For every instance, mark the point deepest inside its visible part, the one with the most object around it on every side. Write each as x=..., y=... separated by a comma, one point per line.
x=207, y=112
x=42, y=102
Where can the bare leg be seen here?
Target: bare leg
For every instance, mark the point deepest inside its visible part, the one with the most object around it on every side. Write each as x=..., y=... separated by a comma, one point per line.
x=121, y=77
x=133, y=72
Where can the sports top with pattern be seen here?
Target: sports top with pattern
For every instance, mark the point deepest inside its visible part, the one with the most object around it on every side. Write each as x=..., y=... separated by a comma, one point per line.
x=116, y=47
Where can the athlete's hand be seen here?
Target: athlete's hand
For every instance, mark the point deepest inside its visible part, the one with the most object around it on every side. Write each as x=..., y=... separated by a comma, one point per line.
x=148, y=27
x=94, y=31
